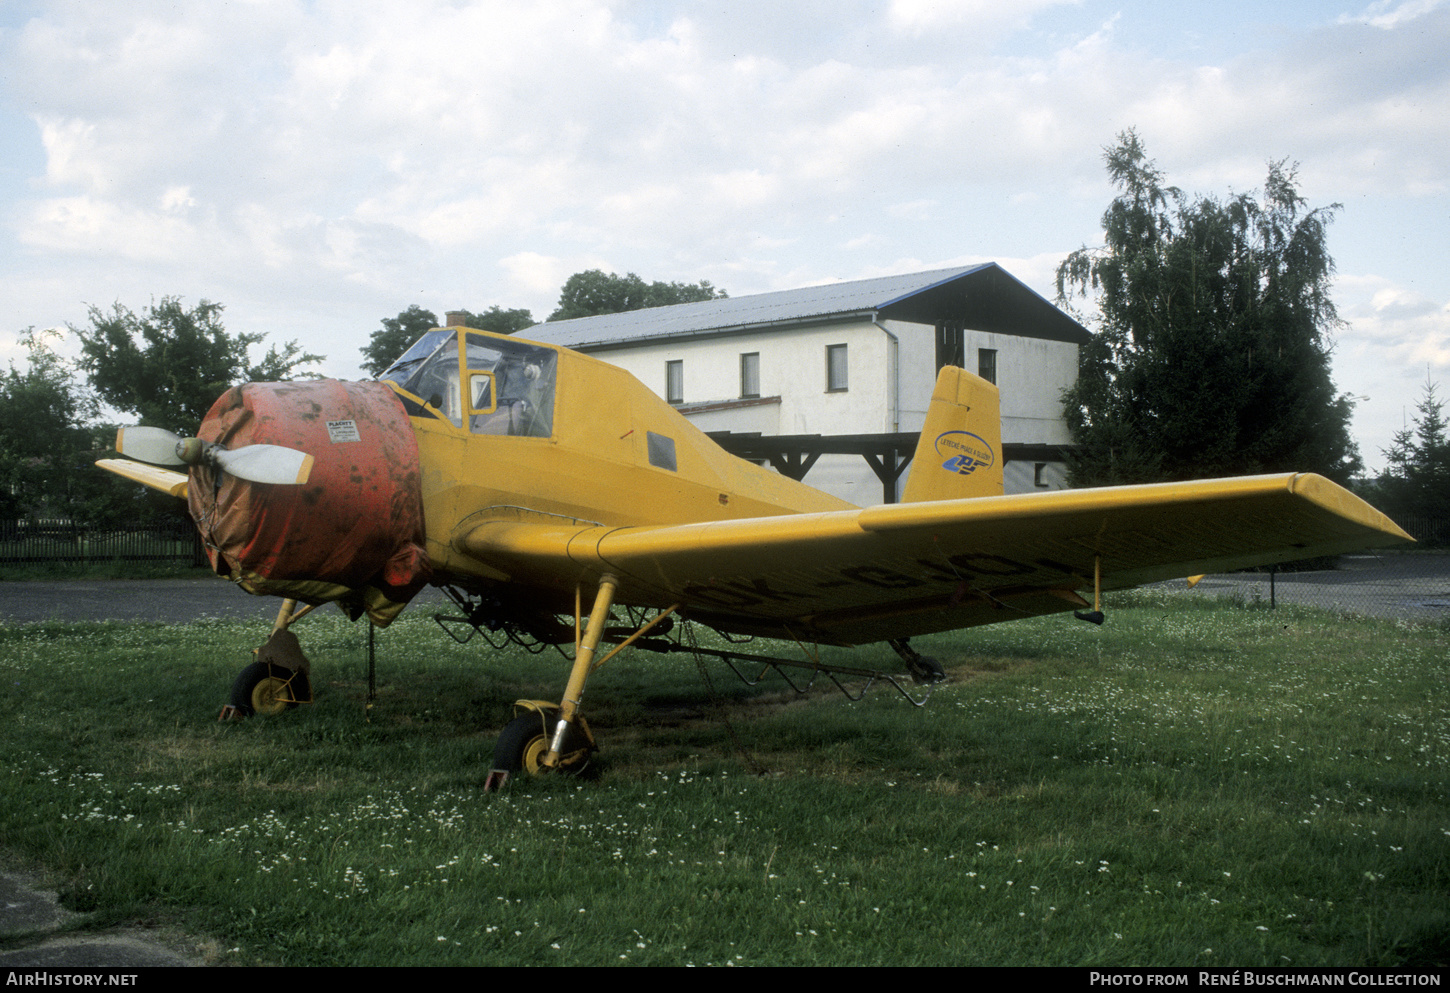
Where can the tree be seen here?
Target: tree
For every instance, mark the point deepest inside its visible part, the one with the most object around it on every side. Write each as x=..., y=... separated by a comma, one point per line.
x=398, y=333
x=1214, y=333
x=169, y=364
x=45, y=441
x=1416, y=480
x=500, y=321
x=395, y=337
x=587, y=294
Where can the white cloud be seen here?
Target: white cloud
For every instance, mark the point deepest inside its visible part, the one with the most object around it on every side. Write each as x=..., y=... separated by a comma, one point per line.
x=331, y=158
x=917, y=17
x=1388, y=14
x=89, y=225
x=536, y=278
x=1396, y=337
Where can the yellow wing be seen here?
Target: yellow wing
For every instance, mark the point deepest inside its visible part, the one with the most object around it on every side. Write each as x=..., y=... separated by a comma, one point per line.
x=164, y=480
x=903, y=569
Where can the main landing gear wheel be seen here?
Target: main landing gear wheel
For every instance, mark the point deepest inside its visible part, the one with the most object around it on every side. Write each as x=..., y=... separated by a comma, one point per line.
x=524, y=742
x=267, y=689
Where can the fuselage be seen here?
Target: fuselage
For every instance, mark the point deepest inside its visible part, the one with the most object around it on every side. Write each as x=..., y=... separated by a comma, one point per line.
x=513, y=430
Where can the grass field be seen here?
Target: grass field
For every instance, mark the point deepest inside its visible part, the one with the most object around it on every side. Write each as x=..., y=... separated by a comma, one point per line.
x=116, y=569
x=1195, y=783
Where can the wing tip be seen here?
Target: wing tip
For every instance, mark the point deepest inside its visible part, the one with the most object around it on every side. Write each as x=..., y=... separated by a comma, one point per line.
x=1340, y=500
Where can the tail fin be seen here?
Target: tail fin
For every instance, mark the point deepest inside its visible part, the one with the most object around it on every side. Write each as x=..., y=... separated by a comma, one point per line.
x=960, y=451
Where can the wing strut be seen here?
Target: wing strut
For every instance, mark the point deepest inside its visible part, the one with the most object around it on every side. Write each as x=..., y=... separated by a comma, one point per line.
x=1094, y=616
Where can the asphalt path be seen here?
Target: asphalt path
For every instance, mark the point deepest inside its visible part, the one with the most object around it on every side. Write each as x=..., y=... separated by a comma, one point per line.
x=174, y=601
x=1415, y=586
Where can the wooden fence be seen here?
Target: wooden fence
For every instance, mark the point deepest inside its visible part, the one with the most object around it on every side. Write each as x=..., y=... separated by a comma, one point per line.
x=45, y=542
x=1426, y=529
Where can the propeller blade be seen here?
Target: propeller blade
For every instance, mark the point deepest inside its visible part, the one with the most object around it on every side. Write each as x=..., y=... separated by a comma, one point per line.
x=266, y=464
x=154, y=445
x=254, y=463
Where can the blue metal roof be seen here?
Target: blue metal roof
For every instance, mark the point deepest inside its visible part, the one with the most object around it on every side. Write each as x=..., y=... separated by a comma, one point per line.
x=982, y=297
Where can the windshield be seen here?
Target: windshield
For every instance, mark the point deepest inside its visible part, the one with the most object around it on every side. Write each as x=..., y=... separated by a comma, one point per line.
x=403, y=369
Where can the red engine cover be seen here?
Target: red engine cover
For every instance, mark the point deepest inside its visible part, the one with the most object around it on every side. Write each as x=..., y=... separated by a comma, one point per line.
x=353, y=533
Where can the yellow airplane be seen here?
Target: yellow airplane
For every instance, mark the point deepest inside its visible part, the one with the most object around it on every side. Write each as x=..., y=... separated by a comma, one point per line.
x=531, y=482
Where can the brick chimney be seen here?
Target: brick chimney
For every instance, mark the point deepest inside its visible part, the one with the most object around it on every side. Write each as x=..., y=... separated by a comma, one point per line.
x=455, y=318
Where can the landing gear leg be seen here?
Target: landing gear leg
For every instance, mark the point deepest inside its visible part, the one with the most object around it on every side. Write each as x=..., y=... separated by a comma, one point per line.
x=560, y=733
x=277, y=678
x=574, y=692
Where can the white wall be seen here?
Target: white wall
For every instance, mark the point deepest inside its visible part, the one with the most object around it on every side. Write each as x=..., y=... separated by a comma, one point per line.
x=1021, y=477
x=792, y=366
x=1031, y=375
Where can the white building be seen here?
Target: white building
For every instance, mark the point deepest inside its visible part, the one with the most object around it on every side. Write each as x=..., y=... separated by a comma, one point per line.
x=852, y=359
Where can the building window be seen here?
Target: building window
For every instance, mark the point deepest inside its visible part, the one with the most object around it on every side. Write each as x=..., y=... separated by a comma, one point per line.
x=1039, y=475
x=949, y=346
x=987, y=364
x=675, y=381
x=835, y=368
x=750, y=375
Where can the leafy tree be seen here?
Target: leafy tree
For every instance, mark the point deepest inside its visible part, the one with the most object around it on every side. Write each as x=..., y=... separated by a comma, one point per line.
x=45, y=443
x=398, y=333
x=168, y=364
x=1416, y=480
x=1214, y=332
x=500, y=321
x=587, y=294
x=393, y=339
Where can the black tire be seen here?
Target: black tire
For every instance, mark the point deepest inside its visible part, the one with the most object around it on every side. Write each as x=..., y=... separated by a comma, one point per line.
x=259, y=689
x=524, y=742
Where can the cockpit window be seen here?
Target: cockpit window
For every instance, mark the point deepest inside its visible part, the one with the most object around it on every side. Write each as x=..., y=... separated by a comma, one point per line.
x=523, y=377
x=520, y=392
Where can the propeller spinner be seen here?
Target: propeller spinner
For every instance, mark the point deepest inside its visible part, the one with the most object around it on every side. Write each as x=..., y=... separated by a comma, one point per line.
x=254, y=463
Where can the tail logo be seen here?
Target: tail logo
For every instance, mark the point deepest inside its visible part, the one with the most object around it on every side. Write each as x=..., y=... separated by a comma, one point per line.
x=966, y=452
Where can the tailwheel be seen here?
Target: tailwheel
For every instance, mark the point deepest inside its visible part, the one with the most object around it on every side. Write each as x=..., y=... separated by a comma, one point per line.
x=263, y=688
x=524, y=742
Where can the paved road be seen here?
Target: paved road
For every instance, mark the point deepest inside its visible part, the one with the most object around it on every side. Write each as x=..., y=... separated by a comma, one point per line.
x=173, y=600
x=28, y=909
x=1414, y=586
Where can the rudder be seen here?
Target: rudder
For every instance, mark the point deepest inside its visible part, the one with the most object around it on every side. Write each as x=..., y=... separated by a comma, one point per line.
x=960, y=452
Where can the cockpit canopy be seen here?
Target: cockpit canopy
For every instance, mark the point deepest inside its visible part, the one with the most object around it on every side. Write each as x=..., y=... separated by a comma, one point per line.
x=510, y=384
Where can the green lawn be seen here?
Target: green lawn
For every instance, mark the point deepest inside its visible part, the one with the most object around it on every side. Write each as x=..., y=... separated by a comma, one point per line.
x=1195, y=783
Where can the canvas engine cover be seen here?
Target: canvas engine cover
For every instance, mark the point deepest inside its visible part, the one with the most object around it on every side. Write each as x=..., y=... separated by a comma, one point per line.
x=353, y=533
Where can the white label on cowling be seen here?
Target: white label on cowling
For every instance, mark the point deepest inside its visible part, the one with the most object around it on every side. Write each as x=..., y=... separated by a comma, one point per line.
x=343, y=431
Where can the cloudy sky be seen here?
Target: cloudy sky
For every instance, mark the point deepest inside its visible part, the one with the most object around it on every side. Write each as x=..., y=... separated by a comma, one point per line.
x=318, y=166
